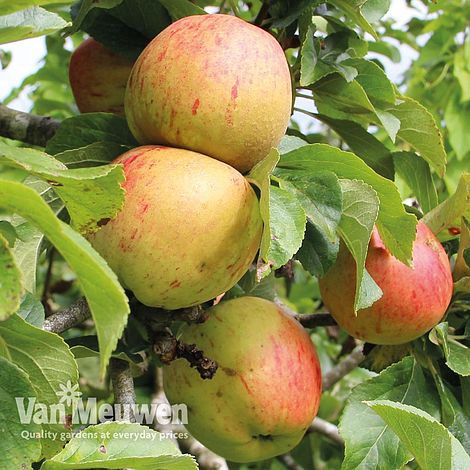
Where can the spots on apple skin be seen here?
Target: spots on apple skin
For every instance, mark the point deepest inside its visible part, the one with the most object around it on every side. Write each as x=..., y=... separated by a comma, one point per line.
x=195, y=106
x=175, y=284
x=234, y=93
x=230, y=372
x=133, y=234
x=245, y=384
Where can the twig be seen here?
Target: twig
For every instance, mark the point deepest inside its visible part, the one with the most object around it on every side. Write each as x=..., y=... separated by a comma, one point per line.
x=343, y=367
x=156, y=317
x=308, y=320
x=312, y=320
x=28, y=128
x=123, y=387
x=47, y=281
x=168, y=348
x=289, y=462
x=327, y=429
x=69, y=317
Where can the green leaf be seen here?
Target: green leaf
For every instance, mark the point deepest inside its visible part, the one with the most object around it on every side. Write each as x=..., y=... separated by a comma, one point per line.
x=31, y=310
x=7, y=231
x=48, y=362
x=287, y=226
x=453, y=415
x=29, y=244
x=397, y=228
x=260, y=175
x=363, y=144
x=376, y=445
x=457, y=117
x=419, y=129
x=462, y=71
x=16, y=451
x=373, y=10
x=90, y=128
x=317, y=253
x=29, y=23
x=386, y=49
x=334, y=91
x=11, y=288
x=375, y=82
x=99, y=153
x=320, y=195
x=449, y=212
x=457, y=354
x=84, y=9
x=91, y=195
x=125, y=28
x=180, y=8
x=308, y=58
x=432, y=445
x=352, y=8
x=360, y=210
x=106, y=446
x=417, y=175
x=107, y=300
x=16, y=5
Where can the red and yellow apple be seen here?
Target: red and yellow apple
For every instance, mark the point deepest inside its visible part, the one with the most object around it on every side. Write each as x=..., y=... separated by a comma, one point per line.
x=188, y=231
x=414, y=298
x=214, y=84
x=266, y=390
x=98, y=78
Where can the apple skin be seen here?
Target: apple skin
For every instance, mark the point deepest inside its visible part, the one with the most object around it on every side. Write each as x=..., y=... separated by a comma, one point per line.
x=98, y=78
x=214, y=84
x=414, y=299
x=266, y=390
x=188, y=231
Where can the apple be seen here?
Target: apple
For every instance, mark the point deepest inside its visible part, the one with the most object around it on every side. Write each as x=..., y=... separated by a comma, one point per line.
x=98, y=78
x=214, y=84
x=266, y=390
x=414, y=299
x=188, y=231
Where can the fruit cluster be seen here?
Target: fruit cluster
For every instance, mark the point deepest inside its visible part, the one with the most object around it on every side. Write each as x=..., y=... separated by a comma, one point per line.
x=207, y=99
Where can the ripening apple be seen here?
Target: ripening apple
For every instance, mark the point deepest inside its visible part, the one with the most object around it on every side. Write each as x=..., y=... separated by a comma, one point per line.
x=266, y=390
x=188, y=231
x=98, y=78
x=414, y=299
x=214, y=84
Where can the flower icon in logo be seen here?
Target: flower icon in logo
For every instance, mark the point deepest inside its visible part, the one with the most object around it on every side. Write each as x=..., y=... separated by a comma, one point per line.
x=68, y=393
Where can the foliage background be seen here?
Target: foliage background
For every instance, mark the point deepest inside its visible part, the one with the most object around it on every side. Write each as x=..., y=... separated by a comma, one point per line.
x=397, y=393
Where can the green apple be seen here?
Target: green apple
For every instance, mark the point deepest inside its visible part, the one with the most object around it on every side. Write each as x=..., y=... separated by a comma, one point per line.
x=266, y=390
x=214, y=84
x=188, y=231
x=414, y=299
x=98, y=78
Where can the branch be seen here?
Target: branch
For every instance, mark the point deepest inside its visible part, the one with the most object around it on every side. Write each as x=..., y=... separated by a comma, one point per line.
x=312, y=320
x=71, y=316
x=289, y=462
x=327, y=429
x=308, y=320
x=123, y=387
x=156, y=317
x=168, y=348
x=343, y=367
x=28, y=128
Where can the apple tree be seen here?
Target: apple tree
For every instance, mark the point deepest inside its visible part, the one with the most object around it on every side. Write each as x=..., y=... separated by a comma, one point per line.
x=235, y=214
